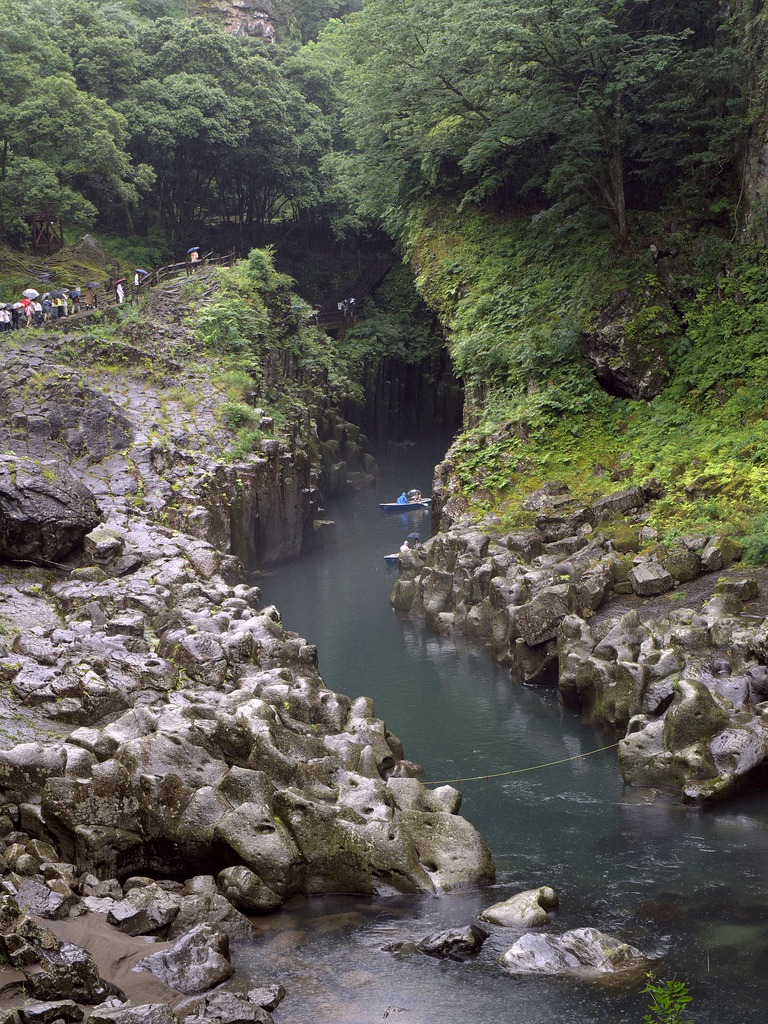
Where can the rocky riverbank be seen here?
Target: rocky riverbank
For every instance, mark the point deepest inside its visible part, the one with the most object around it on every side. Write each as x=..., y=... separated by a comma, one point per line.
x=661, y=644
x=171, y=759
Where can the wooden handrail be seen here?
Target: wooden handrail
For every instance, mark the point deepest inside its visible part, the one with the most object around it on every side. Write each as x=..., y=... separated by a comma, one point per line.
x=166, y=273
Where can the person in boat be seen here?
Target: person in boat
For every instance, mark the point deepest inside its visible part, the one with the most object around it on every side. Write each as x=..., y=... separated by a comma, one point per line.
x=414, y=495
x=403, y=499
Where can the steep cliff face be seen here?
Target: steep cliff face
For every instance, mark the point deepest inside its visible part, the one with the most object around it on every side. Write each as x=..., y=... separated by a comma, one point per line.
x=403, y=401
x=753, y=201
x=240, y=17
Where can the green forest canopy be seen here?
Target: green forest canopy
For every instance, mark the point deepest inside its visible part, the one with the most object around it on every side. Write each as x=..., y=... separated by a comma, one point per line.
x=129, y=114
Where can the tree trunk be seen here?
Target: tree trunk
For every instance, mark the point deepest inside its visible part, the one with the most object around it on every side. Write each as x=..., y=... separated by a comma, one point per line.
x=129, y=220
x=619, y=199
x=609, y=183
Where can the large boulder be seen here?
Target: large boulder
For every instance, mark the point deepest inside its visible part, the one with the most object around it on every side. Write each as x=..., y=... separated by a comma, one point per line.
x=68, y=972
x=581, y=951
x=45, y=511
x=226, y=1008
x=194, y=963
x=243, y=888
x=35, y=1011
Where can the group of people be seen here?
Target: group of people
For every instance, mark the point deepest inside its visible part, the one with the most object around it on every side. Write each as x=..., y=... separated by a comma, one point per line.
x=347, y=307
x=412, y=541
x=409, y=496
x=32, y=311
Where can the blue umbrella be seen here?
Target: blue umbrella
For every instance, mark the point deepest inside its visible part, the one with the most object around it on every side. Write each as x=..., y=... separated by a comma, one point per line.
x=193, y=249
x=138, y=270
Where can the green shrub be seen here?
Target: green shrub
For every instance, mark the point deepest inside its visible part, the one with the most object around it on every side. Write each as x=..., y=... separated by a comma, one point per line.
x=669, y=1000
x=237, y=414
x=755, y=542
x=244, y=443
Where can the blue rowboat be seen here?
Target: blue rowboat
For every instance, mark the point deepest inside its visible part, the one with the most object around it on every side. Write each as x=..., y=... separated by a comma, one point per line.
x=406, y=506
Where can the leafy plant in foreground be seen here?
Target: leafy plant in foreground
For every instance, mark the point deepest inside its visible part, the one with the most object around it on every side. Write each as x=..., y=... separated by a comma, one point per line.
x=669, y=1000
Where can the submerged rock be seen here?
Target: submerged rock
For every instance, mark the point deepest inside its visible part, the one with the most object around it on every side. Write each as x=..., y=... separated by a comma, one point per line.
x=452, y=944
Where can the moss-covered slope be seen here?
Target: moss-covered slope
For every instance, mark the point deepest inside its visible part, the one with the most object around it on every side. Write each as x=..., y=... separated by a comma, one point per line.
x=521, y=304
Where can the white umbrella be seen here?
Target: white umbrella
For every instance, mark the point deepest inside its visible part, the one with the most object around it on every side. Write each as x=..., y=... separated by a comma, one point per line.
x=30, y=293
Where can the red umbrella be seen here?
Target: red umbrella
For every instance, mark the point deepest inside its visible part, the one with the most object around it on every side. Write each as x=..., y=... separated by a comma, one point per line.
x=120, y=280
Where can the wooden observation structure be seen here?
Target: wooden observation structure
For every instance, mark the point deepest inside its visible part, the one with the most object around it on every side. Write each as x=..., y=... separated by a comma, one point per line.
x=47, y=234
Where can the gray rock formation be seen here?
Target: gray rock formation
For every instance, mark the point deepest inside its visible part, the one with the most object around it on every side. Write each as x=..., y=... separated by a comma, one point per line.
x=146, y=1013
x=196, y=962
x=517, y=588
x=583, y=951
x=140, y=444
x=36, y=1012
x=226, y=1008
x=45, y=511
x=54, y=970
x=241, y=17
x=687, y=690
x=221, y=743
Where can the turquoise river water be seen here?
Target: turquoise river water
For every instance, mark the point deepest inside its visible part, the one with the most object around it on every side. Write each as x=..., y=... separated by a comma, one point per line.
x=687, y=887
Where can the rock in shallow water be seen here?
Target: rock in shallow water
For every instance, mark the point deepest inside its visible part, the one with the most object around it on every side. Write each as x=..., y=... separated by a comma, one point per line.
x=583, y=950
x=523, y=910
x=452, y=944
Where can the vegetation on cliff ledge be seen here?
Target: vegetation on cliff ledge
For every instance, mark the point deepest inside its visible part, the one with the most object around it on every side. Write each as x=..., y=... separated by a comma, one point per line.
x=565, y=169
x=520, y=301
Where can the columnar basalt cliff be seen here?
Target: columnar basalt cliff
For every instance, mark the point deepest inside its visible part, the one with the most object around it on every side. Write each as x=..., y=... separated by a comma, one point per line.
x=403, y=401
x=580, y=601
x=159, y=722
x=138, y=418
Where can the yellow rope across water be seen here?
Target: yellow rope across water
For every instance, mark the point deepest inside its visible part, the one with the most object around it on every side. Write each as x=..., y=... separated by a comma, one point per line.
x=519, y=771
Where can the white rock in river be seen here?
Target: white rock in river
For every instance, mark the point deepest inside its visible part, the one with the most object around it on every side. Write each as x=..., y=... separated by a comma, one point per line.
x=524, y=909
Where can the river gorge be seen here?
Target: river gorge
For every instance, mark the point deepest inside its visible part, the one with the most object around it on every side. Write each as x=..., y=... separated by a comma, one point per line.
x=683, y=885
x=195, y=739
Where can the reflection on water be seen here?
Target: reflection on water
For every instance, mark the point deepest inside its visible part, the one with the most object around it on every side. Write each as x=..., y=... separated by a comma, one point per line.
x=685, y=886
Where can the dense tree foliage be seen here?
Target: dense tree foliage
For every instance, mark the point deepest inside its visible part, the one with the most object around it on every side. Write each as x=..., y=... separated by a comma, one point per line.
x=546, y=103
x=132, y=112
x=116, y=111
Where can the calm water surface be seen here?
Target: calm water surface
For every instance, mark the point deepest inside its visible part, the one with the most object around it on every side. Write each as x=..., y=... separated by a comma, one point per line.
x=688, y=887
